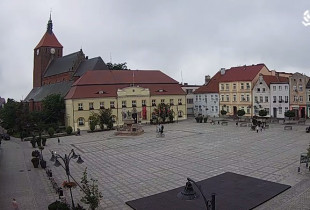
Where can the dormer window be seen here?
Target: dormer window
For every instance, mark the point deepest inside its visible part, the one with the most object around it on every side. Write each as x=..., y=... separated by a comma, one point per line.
x=161, y=90
x=101, y=92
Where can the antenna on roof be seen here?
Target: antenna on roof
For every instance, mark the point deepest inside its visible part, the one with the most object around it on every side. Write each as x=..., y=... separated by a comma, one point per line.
x=181, y=76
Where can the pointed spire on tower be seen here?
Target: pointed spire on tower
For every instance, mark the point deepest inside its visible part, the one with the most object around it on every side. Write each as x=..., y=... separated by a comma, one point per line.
x=50, y=24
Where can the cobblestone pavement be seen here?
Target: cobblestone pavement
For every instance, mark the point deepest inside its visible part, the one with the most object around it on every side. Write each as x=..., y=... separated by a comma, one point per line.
x=128, y=168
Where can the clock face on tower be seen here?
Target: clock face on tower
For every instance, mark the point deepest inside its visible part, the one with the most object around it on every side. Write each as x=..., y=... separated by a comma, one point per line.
x=53, y=51
x=38, y=51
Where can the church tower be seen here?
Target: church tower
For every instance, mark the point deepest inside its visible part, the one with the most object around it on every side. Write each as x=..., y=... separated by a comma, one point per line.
x=47, y=49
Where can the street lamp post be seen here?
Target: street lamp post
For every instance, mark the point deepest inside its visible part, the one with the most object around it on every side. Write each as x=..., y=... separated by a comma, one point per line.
x=189, y=194
x=66, y=160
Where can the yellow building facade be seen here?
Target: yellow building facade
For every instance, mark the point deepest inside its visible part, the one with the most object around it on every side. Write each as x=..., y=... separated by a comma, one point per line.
x=236, y=85
x=124, y=102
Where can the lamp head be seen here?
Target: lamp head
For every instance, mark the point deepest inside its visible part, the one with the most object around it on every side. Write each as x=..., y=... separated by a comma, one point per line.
x=57, y=163
x=74, y=156
x=80, y=161
x=188, y=192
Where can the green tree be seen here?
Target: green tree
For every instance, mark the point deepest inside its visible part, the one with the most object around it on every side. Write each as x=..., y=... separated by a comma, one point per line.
x=117, y=66
x=92, y=194
x=240, y=112
x=223, y=112
x=289, y=114
x=262, y=113
x=53, y=108
x=105, y=118
x=162, y=111
x=8, y=114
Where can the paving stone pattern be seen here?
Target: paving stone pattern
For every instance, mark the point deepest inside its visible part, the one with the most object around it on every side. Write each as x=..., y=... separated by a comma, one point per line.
x=128, y=168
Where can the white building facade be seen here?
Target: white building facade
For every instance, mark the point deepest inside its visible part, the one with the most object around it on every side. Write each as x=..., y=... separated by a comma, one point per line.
x=279, y=101
x=207, y=104
x=261, y=97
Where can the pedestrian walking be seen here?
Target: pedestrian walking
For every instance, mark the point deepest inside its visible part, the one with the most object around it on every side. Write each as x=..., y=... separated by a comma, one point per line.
x=257, y=128
x=15, y=204
x=58, y=140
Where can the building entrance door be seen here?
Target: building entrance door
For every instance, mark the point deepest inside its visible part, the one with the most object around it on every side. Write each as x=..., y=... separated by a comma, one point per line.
x=275, y=112
x=235, y=110
x=302, y=112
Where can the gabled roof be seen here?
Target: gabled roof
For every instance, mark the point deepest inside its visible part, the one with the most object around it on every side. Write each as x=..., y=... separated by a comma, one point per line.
x=109, y=81
x=274, y=79
x=39, y=93
x=212, y=86
x=49, y=40
x=110, y=90
x=98, y=77
x=242, y=73
x=91, y=64
x=62, y=64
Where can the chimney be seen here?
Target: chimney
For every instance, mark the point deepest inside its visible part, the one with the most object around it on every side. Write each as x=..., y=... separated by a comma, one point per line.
x=223, y=71
x=185, y=83
x=207, y=79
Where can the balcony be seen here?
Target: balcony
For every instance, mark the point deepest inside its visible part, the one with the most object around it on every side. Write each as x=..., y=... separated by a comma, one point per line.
x=134, y=105
x=112, y=107
x=91, y=108
x=80, y=109
x=124, y=106
x=153, y=104
x=171, y=104
x=179, y=103
x=286, y=101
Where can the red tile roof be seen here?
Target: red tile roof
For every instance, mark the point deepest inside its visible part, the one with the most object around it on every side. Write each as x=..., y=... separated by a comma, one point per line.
x=124, y=77
x=48, y=40
x=241, y=73
x=212, y=86
x=274, y=79
x=109, y=81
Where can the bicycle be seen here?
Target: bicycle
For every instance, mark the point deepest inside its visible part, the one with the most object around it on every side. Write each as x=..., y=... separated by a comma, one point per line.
x=160, y=135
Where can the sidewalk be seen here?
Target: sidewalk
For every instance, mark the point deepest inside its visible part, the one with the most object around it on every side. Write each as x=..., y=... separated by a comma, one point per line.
x=19, y=180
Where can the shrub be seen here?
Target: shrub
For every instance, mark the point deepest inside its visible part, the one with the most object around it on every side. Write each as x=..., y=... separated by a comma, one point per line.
x=223, y=112
x=51, y=131
x=289, y=114
x=262, y=113
x=57, y=205
x=92, y=126
x=240, y=112
x=69, y=130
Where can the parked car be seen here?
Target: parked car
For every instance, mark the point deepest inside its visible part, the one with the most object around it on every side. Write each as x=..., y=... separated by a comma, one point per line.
x=6, y=136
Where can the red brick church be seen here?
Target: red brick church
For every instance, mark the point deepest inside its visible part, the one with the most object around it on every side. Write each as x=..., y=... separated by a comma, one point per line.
x=54, y=73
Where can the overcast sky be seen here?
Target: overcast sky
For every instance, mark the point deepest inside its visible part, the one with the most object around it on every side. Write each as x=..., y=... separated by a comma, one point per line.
x=185, y=39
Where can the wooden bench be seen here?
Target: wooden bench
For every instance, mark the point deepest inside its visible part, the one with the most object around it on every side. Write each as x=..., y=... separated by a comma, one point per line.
x=288, y=127
x=243, y=124
x=224, y=123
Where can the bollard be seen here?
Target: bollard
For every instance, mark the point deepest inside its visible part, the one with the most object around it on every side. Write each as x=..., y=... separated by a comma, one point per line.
x=298, y=169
